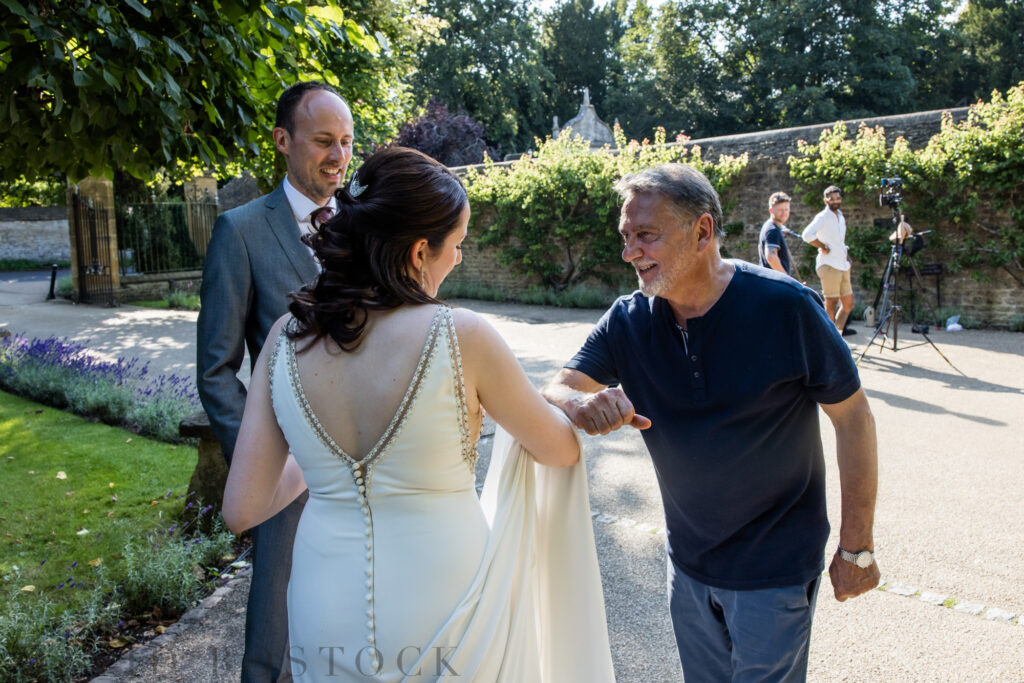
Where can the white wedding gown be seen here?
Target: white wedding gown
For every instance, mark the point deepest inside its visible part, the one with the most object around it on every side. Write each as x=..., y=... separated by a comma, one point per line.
x=400, y=572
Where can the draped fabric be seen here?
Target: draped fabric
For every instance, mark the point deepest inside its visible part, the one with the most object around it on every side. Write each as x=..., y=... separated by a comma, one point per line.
x=538, y=588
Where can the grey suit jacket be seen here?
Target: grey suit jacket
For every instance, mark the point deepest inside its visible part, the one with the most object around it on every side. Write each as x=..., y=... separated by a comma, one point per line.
x=254, y=259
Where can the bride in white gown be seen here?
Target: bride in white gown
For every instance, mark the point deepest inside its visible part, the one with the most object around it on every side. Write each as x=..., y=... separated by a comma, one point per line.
x=371, y=394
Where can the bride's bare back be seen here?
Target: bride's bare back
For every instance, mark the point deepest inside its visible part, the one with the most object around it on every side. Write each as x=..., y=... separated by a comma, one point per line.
x=356, y=394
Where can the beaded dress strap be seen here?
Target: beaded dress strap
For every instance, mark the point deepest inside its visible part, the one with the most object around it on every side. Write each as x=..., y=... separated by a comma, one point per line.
x=468, y=447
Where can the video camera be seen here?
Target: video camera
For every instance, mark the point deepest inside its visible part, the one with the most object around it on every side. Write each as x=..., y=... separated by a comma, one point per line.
x=891, y=193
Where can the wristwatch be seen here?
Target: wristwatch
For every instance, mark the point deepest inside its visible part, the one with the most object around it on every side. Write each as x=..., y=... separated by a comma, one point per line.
x=863, y=558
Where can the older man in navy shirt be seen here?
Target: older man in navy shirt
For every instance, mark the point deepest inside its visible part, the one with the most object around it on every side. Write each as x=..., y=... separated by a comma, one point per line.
x=724, y=365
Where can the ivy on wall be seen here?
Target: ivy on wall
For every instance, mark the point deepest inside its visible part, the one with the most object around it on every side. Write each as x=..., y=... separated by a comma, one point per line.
x=554, y=215
x=966, y=184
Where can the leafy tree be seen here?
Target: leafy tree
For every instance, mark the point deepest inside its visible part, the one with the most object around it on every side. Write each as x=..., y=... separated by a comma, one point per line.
x=993, y=33
x=87, y=87
x=46, y=191
x=488, y=65
x=934, y=51
x=577, y=48
x=454, y=139
x=632, y=93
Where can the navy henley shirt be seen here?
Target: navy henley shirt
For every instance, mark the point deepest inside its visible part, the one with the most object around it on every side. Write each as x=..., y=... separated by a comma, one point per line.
x=735, y=439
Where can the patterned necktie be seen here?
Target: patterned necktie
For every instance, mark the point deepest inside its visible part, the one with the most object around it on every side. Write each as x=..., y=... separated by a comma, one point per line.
x=323, y=214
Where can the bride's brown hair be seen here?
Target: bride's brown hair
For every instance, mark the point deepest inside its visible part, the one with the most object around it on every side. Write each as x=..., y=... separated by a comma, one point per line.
x=398, y=196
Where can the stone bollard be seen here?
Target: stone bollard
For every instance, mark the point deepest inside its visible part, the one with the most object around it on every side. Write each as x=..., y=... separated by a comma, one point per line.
x=207, y=484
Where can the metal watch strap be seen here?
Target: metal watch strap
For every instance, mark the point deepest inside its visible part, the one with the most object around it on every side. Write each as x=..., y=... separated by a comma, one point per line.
x=852, y=557
x=847, y=555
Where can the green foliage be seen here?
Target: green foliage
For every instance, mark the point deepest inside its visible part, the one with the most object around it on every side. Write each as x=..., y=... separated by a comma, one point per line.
x=183, y=300
x=554, y=215
x=65, y=287
x=966, y=184
x=157, y=234
x=993, y=35
x=46, y=191
x=1017, y=322
x=714, y=67
x=576, y=47
x=487, y=64
x=41, y=641
x=22, y=264
x=578, y=296
x=87, y=88
x=170, y=571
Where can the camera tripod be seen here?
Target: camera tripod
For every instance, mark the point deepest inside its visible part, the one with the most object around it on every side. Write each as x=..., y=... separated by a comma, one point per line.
x=887, y=302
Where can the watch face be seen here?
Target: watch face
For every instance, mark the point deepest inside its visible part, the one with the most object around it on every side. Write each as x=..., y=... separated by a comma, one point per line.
x=864, y=559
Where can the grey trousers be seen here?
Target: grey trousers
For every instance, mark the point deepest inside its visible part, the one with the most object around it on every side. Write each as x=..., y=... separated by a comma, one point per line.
x=266, y=618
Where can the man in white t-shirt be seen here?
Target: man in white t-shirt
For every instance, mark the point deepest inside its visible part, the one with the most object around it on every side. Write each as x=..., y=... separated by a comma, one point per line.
x=827, y=232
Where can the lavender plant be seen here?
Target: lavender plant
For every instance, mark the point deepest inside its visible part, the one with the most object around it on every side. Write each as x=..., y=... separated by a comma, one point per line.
x=64, y=375
x=169, y=570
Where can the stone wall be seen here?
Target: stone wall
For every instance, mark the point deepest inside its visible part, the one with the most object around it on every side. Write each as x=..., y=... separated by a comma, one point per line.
x=35, y=234
x=157, y=286
x=993, y=297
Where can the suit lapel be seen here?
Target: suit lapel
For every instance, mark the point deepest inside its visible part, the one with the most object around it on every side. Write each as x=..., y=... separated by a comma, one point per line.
x=282, y=224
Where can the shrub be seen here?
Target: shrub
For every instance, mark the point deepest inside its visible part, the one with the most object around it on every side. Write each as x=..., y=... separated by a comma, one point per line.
x=554, y=215
x=170, y=571
x=965, y=183
x=1017, y=322
x=38, y=641
x=65, y=287
x=182, y=300
x=454, y=139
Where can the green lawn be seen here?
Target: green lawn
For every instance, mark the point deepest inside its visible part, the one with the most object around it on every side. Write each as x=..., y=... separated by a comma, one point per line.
x=161, y=303
x=73, y=493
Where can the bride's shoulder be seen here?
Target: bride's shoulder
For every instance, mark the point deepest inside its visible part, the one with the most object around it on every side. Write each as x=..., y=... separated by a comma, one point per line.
x=467, y=322
x=472, y=329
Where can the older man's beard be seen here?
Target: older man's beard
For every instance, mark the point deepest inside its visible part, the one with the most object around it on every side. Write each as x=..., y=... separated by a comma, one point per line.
x=653, y=288
x=661, y=284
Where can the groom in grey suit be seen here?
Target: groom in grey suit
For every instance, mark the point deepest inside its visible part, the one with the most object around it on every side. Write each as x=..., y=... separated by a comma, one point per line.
x=255, y=258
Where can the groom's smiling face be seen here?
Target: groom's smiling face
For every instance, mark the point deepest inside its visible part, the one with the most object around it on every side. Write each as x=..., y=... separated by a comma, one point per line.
x=318, y=147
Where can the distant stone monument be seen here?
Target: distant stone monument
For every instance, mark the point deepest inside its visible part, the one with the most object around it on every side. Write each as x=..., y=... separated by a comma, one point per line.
x=587, y=125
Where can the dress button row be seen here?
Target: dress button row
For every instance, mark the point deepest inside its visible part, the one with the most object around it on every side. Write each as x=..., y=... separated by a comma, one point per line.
x=358, y=476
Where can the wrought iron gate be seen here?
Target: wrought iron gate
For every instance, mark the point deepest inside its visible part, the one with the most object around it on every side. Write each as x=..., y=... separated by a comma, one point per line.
x=92, y=240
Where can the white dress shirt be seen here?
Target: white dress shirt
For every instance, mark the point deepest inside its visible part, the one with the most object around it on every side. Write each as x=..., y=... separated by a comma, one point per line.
x=303, y=207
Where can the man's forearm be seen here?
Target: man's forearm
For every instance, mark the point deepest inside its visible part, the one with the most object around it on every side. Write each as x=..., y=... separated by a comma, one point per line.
x=857, y=454
x=561, y=395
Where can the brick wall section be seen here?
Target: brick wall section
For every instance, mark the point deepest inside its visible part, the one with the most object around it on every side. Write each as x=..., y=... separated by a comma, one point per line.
x=35, y=234
x=994, y=299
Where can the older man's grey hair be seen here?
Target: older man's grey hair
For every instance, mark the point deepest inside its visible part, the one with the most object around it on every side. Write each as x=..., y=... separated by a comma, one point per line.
x=689, y=190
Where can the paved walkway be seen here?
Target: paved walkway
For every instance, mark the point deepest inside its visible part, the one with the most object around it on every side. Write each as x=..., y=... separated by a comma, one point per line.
x=950, y=515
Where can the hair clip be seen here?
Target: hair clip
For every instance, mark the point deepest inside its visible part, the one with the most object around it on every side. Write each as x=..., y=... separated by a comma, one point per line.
x=354, y=188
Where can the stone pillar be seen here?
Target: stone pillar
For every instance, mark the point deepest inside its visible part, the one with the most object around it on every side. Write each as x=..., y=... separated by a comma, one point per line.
x=206, y=487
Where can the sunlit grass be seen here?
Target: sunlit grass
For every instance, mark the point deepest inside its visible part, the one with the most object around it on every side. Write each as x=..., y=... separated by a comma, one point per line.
x=74, y=493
